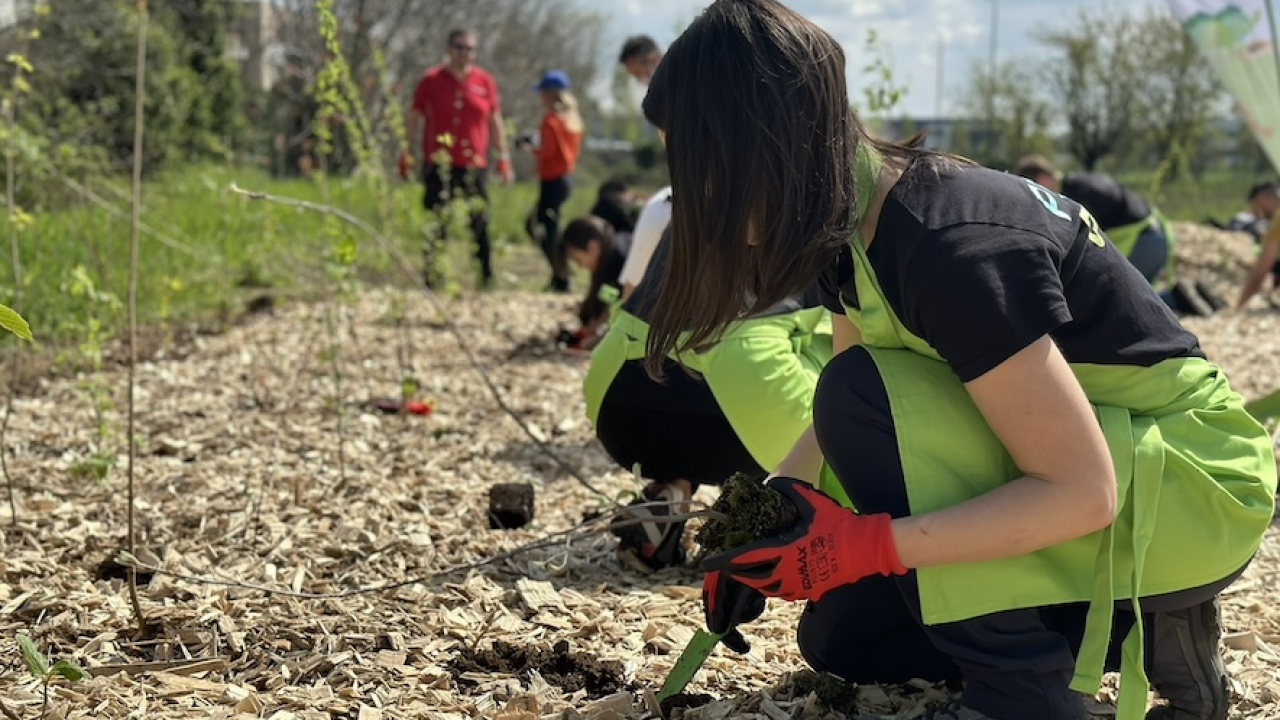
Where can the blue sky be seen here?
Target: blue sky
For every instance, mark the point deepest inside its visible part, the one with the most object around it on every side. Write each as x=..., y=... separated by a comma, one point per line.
x=910, y=31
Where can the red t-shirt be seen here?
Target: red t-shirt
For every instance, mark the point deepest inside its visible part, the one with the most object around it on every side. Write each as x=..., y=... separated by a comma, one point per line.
x=557, y=148
x=459, y=108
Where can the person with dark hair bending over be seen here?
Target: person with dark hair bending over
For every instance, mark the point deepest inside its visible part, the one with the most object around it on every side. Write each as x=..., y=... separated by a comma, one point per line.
x=616, y=206
x=1050, y=479
x=749, y=401
x=1264, y=200
x=1139, y=231
x=591, y=244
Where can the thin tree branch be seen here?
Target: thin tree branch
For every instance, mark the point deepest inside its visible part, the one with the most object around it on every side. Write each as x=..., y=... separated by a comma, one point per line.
x=577, y=533
x=139, y=119
x=14, y=257
x=407, y=268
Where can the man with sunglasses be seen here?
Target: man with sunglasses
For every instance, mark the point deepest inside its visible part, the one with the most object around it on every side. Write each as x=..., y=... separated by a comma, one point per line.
x=456, y=112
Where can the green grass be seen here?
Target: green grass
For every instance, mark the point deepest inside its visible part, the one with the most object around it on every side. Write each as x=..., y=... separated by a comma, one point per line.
x=205, y=240
x=1216, y=194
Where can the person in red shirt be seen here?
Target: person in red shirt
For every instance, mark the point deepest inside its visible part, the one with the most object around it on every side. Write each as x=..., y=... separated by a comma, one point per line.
x=559, y=139
x=454, y=115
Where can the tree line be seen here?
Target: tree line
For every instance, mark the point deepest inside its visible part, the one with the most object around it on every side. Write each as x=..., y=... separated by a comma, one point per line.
x=1119, y=89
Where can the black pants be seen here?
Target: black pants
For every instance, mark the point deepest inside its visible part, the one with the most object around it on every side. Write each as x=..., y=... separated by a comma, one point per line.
x=551, y=195
x=1015, y=664
x=1150, y=252
x=675, y=430
x=465, y=183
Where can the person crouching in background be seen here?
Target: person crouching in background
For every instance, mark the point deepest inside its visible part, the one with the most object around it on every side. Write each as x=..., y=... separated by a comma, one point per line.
x=591, y=244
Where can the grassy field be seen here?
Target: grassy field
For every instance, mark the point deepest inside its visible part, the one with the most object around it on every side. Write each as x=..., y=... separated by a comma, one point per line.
x=202, y=243
x=1217, y=195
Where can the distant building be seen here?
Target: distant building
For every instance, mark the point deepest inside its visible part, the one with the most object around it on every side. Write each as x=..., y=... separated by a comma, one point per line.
x=947, y=134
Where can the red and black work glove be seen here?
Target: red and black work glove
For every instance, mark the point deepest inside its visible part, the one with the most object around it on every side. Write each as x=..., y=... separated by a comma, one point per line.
x=727, y=604
x=829, y=546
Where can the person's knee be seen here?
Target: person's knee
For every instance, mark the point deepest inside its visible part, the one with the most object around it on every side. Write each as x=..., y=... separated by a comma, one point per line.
x=850, y=390
x=813, y=637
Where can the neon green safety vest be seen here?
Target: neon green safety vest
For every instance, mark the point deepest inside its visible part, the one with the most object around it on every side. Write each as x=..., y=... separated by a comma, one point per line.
x=762, y=372
x=1196, y=477
x=1125, y=238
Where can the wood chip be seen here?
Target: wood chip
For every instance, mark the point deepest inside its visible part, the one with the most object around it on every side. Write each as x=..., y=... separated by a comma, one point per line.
x=241, y=479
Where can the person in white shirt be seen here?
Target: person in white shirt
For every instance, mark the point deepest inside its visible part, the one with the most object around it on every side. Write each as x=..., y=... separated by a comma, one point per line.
x=653, y=221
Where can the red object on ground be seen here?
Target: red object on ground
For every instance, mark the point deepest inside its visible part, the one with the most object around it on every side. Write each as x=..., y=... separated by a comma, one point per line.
x=417, y=408
x=391, y=405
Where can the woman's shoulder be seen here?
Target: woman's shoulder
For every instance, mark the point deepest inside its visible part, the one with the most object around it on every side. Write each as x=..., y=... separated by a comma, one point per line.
x=940, y=194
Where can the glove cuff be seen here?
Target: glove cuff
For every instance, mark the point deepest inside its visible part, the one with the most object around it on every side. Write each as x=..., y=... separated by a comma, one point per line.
x=882, y=552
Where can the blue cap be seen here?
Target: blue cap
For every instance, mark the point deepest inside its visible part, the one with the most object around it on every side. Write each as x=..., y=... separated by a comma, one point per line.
x=553, y=80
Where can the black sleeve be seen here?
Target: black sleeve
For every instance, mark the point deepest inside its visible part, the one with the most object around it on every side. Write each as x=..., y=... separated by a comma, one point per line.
x=981, y=293
x=837, y=277
x=1110, y=202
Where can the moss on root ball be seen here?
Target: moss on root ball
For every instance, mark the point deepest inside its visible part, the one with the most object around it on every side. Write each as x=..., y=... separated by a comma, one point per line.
x=753, y=511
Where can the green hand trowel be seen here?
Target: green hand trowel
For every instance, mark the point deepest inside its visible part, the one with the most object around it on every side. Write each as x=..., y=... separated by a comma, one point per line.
x=694, y=655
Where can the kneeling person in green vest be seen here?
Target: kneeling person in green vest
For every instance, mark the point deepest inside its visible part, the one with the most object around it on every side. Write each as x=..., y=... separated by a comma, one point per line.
x=747, y=401
x=1141, y=232
x=1050, y=478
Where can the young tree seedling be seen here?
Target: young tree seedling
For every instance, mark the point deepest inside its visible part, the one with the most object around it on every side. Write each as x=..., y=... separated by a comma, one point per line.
x=39, y=667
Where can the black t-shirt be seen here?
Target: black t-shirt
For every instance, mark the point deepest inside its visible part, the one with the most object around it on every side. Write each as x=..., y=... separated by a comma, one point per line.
x=616, y=214
x=645, y=295
x=980, y=264
x=1111, y=203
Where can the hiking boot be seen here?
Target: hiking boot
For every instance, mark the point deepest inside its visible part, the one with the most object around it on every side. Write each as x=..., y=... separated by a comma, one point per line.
x=1211, y=296
x=650, y=546
x=1189, y=300
x=1185, y=665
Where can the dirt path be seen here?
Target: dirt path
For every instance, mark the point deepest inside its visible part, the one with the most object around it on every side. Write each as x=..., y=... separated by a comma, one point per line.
x=240, y=478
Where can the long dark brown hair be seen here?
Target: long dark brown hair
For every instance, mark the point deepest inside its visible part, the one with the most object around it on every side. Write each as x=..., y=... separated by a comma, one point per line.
x=760, y=145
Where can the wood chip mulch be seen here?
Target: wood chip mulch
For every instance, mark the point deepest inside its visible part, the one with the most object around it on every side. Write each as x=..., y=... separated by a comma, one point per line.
x=241, y=481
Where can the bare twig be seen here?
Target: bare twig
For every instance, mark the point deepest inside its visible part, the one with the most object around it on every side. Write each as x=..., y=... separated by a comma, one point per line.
x=407, y=268
x=14, y=257
x=335, y=348
x=106, y=205
x=577, y=533
x=140, y=89
x=4, y=434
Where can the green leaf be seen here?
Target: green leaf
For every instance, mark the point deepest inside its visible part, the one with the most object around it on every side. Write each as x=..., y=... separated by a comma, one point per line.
x=36, y=661
x=68, y=670
x=13, y=322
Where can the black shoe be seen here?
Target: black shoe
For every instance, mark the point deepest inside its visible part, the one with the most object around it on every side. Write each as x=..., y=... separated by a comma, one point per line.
x=1189, y=299
x=1211, y=296
x=558, y=285
x=1185, y=665
x=650, y=546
